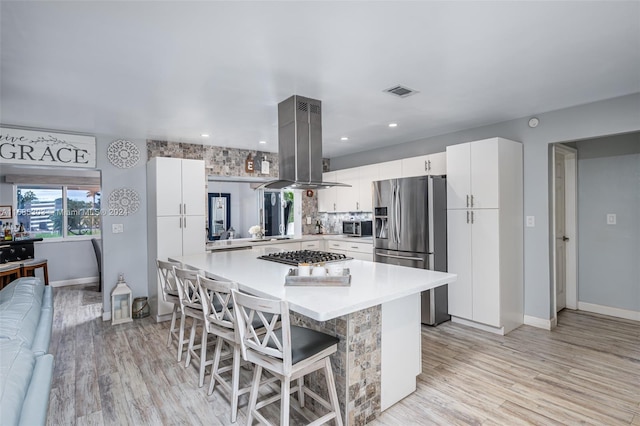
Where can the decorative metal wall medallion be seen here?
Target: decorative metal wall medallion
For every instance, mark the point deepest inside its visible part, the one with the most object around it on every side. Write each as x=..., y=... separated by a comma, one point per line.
x=123, y=202
x=123, y=153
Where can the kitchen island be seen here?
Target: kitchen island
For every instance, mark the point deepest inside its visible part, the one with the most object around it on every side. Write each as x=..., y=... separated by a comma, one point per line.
x=377, y=319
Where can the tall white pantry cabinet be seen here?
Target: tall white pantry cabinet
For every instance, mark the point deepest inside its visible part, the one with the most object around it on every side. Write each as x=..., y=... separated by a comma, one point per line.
x=176, y=201
x=485, y=233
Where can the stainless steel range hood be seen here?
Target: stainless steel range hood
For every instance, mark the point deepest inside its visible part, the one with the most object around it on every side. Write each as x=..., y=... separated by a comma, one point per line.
x=300, y=145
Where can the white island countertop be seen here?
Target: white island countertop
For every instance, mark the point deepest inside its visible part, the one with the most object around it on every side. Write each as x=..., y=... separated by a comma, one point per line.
x=371, y=283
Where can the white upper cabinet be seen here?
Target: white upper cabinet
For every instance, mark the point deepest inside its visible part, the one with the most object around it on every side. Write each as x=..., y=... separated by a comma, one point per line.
x=180, y=186
x=356, y=197
x=423, y=165
x=327, y=197
x=347, y=196
x=472, y=174
x=368, y=174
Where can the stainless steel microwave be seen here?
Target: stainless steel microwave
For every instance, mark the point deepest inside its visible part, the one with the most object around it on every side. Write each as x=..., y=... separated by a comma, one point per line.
x=357, y=228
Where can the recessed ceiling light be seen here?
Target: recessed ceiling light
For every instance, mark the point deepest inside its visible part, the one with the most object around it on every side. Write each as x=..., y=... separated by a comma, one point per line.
x=205, y=135
x=344, y=138
x=393, y=124
x=262, y=142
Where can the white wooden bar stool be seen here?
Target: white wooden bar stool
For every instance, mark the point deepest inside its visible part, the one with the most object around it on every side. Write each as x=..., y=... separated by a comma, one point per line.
x=191, y=306
x=171, y=295
x=29, y=267
x=289, y=353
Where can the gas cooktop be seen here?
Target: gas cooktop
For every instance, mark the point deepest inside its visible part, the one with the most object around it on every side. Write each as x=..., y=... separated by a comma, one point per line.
x=304, y=256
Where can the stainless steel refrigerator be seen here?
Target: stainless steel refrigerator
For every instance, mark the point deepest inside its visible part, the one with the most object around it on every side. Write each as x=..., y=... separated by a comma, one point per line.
x=410, y=219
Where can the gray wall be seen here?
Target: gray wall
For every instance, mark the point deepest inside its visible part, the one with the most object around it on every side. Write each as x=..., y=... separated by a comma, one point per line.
x=609, y=117
x=124, y=252
x=608, y=255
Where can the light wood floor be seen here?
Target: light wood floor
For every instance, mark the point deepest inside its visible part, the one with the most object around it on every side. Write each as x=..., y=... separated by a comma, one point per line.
x=587, y=371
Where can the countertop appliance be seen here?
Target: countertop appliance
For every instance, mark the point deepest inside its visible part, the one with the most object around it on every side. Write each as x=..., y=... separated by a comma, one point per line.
x=304, y=256
x=410, y=216
x=357, y=228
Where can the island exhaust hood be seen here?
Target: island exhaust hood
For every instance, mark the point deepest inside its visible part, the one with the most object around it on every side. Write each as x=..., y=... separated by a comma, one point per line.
x=300, y=145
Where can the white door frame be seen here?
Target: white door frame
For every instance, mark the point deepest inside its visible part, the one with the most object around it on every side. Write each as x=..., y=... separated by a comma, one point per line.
x=571, y=227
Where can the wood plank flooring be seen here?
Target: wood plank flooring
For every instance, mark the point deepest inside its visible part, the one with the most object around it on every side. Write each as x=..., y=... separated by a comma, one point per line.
x=587, y=371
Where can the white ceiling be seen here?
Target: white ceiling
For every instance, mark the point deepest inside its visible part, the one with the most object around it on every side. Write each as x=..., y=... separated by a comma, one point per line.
x=173, y=70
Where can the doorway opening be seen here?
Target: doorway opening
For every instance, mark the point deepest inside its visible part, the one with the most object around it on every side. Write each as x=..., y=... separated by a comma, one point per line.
x=564, y=228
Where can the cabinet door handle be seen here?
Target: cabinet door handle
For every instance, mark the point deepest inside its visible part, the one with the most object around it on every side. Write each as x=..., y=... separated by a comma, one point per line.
x=334, y=207
x=354, y=247
x=472, y=217
x=426, y=166
x=185, y=222
x=471, y=200
x=180, y=207
x=180, y=221
x=467, y=217
x=185, y=210
x=467, y=200
x=429, y=161
x=357, y=205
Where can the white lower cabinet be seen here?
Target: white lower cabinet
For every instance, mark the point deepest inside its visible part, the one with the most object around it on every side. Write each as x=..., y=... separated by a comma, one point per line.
x=474, y=256
x=354, y=249
x=284, y=246
x=310, y=245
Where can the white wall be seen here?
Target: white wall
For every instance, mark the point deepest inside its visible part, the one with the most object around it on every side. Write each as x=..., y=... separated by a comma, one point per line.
x=609, y=117
x=609, y=255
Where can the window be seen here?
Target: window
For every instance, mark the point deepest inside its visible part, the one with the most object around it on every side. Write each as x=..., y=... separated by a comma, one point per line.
x=59, y=211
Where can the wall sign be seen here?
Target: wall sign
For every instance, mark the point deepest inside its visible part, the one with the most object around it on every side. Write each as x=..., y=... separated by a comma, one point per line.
x=30, y=147
x=249, y=164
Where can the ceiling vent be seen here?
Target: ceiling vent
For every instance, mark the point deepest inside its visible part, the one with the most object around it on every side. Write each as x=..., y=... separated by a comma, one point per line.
x=401, y=91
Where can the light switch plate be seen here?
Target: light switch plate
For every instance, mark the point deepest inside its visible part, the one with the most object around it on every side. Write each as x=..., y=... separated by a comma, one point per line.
x=117, y=228
x=531, y=221
x=308, y=220
x=611, y=219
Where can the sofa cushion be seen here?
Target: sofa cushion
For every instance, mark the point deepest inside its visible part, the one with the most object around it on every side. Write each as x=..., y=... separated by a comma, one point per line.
x=20, y=309
x=36, y=403
x=16, y=370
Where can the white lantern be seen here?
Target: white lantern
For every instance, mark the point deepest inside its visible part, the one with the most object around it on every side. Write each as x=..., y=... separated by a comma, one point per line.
x=121, y=302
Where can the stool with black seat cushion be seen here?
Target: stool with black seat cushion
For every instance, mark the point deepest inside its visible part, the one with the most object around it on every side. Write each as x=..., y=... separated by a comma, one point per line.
x=288, y=352
x=171, y=295
x=29, y=267
x=9, y=272
x=191, y=306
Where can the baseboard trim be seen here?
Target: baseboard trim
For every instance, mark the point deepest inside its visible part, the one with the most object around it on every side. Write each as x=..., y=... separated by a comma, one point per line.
x=74, y=281
x=608, y=310
x=477, y=325
x=546, y=324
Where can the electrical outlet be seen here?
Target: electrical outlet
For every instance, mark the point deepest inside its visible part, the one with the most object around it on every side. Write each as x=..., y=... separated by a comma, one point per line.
x=531, y=221
x=308, y=220
x=117, y=228
x=611, y=219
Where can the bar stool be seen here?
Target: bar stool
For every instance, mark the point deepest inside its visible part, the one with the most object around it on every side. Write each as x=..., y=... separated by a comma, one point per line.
x=29, y=267
x=288, y=352
x=9, y=272
x=170, y=294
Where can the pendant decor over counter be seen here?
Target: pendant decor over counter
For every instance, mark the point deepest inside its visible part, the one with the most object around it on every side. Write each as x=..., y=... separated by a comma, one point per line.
x=123, y=154
x=123, y=202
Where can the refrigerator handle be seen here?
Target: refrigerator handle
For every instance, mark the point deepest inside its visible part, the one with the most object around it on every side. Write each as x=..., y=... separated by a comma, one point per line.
x=393, y=207
x=430, y=216
x=398, y=222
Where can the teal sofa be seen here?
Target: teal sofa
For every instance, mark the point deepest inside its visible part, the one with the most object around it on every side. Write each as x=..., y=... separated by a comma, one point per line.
x=26, y=367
